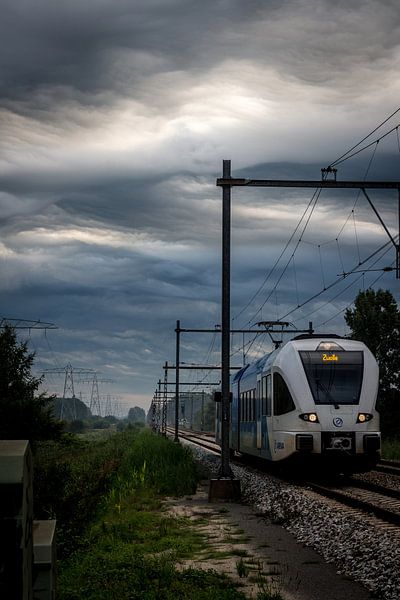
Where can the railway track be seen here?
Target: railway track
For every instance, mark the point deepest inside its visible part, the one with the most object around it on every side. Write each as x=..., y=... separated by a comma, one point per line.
x=366, y=496
x=388, y=466
x=199, y=439
x=382, y=502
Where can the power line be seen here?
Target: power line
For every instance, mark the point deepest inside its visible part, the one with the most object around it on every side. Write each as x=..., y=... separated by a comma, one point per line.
x=334, y=283
x=338, y=162
x=351, y=303
x=278, y=259
x=316, y=196
x=365, y=138
x=345, y=288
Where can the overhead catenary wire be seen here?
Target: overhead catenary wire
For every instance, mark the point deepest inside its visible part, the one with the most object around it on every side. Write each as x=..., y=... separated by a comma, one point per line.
x=352, y=214
x=335, y=162
x=316, y=196
x=271, y=271
x=353, y=151
x=334, y=283
x=351, y=303
x=387, y=249
x=338, y=162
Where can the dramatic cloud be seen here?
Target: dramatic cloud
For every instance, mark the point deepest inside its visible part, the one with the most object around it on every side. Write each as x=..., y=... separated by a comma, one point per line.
x=115, y=118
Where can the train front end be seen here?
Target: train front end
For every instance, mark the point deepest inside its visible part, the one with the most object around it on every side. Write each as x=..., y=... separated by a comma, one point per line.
x=334, y=384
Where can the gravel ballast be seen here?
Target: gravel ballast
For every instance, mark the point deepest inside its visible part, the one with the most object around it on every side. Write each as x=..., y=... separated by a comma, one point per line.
x=355, y=543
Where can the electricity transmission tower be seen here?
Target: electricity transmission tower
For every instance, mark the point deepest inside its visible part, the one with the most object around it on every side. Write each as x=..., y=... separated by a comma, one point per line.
x=25, y=324
x=69, y=390
x=95, y=403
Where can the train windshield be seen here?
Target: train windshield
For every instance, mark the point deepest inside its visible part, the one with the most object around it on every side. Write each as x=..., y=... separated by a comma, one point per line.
x=334, y=377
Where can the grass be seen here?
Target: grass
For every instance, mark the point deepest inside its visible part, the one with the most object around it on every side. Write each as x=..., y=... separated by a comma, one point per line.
x=70, y=479
x=132, y=549
x=391, y=449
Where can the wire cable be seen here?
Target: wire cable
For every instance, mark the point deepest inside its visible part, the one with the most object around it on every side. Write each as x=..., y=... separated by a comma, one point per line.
x=347, y=287
x=334, y=283
x=351, y=303
x=277, y=260
x=316, y=198
x=365, y=138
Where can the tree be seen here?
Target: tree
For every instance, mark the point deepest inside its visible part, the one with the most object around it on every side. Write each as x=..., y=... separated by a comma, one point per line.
x=375, y=320
x=23, y=413
x=136, y=415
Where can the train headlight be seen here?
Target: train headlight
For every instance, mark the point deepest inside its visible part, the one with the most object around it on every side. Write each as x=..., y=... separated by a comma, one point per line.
x=310, y=417
x=364, y=417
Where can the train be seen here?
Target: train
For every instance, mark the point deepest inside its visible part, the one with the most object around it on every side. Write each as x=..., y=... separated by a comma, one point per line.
x=312, y=401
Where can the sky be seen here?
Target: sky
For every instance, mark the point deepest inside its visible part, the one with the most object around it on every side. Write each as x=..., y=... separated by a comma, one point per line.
x=115, y=117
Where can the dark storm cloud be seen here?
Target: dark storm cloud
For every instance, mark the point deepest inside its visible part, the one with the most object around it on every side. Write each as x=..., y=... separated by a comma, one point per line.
x=115, y=117
x=84, y=45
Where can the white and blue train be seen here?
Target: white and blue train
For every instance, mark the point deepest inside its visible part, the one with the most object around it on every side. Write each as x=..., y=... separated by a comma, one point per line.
x=312, y=399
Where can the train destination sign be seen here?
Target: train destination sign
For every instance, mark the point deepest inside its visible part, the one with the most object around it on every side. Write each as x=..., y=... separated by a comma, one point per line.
x=330, y=357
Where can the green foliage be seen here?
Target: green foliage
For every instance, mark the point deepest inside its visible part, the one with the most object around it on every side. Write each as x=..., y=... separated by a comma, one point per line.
x=70, y=479
x=391, y=449
x=207, y=416
x=136, y=415
x=375, y=320
x=77, y=426
x=131, y=548
x=171, y=468
x=242, y=569
x=23, y=414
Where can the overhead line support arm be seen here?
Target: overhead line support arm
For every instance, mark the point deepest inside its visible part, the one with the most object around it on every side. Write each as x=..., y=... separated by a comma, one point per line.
x=301, y=183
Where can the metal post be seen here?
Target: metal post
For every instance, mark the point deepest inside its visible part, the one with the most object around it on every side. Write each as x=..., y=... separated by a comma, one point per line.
x=164, y=403
x=226, y=487
x=398, y=242
x=225, y=470
x=158, y=405
x=202, y=411
x=177, y=359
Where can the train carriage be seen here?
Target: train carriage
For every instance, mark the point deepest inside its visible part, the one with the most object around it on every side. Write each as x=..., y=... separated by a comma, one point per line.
x=311, y=400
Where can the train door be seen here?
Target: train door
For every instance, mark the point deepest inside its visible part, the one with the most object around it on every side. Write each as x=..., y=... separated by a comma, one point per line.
x=266, y=416
x=259, y=415
x=282, y=405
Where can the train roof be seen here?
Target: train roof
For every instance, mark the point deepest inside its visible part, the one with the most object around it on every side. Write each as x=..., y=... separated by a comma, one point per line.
x=255, y=367
x=311, y=336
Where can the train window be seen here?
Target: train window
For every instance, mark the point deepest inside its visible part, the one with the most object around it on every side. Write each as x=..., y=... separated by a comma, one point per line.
x=250, y=405
x=264, y=396
x=283, y=401
x=334, y=377
x=268, y=398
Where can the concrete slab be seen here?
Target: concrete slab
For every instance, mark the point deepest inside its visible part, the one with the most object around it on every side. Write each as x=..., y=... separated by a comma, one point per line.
x=13, y=456
x=44, y=541
x=304, y=574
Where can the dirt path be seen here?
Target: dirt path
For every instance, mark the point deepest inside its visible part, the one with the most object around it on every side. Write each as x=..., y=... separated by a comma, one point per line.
x=259, y=555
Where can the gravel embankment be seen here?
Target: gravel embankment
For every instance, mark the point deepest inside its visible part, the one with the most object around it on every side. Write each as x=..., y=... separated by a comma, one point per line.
x=359, y=549
x=384, y=479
